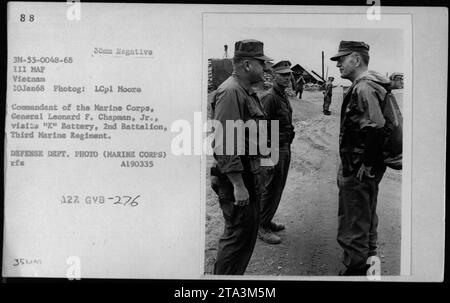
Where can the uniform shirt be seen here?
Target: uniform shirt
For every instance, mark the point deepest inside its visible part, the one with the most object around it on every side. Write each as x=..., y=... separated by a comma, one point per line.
x=277, y=107
x=360, y=111
x=234, y=102
x=300, y=82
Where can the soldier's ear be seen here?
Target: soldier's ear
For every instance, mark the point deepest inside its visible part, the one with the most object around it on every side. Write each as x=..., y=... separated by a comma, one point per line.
x=358, y=60
x=247, y=65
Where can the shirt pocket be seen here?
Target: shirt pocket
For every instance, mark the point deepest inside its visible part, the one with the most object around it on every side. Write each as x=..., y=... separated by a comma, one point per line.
x=254, y=110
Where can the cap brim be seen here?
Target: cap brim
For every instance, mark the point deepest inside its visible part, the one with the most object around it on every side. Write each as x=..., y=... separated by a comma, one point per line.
x=340, y=54
x=283, y=71
x=264, y=58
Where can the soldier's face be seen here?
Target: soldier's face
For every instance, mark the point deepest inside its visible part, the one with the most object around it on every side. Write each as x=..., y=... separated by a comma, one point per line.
x=282, y=79
x=346, y=65
x=256, y=70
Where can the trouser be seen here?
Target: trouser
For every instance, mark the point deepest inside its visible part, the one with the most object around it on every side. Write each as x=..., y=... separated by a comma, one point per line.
x=241, y=225
x=358, y=220
x=298, y=93
x=326, y=103
x=274, y=181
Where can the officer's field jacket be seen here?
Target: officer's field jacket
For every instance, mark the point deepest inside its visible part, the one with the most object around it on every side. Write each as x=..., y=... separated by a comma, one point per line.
x=361, y=111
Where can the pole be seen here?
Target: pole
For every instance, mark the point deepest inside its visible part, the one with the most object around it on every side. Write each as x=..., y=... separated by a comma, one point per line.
x=322, y=65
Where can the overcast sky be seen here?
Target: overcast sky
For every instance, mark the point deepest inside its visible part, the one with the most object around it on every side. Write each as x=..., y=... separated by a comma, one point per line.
x=304, y=46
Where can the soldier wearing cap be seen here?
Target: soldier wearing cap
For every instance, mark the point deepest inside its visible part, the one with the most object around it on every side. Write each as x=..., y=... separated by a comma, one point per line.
x=299, y=86
x=277, y=107
x=362, y=166
x=236, y=178
x=327, y=95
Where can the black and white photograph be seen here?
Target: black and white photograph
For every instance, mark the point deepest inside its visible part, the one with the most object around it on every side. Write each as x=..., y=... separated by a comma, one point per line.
x=209, y=145
x=332, y=204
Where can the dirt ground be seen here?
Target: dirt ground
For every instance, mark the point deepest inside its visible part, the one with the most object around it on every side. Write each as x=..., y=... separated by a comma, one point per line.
x=309, y=203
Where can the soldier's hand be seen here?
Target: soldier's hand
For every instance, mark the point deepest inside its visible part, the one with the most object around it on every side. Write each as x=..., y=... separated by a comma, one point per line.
x=241, y=196
x=364, y=170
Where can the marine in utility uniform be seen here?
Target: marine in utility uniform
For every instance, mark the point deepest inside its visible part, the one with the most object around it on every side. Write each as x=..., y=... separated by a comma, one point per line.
x=299, y=86
x=236, y=178
x=327, y=95
x=277, y=107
